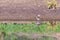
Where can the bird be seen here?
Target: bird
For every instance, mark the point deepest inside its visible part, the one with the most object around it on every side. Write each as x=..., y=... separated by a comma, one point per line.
x=52, y=4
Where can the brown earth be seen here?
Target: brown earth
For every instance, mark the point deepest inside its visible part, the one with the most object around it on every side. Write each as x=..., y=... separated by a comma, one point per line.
x=36, y=36
x=13, y=10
